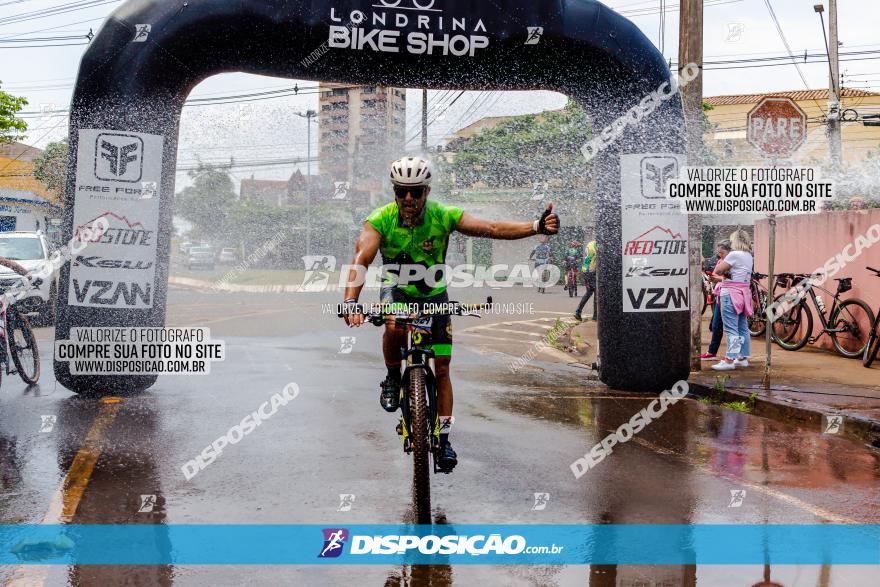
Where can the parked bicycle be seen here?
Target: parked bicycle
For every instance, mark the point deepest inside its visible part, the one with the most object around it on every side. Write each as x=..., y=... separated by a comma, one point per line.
x=758, y=321
x=873, y=346
x=420, y=421
x=708, y=293
x=19, y=352
x=847, y=322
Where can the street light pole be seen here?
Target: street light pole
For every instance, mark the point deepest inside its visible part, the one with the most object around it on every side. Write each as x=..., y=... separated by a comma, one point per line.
x=309, y=115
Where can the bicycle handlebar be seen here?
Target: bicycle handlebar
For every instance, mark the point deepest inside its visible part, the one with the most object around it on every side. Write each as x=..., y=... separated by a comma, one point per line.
x=449, y=309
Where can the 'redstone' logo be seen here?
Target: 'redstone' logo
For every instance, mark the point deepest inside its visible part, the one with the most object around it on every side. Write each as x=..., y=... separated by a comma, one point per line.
x=334, y=542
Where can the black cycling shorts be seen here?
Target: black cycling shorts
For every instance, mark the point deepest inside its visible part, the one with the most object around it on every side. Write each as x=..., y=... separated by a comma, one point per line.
x=439, y=339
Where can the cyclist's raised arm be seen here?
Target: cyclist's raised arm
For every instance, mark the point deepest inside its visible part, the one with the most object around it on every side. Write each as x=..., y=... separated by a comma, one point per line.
x=508, y=229
x=365, y=251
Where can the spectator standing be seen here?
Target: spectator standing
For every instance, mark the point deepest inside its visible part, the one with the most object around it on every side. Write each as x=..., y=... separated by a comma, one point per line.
x=735, y=298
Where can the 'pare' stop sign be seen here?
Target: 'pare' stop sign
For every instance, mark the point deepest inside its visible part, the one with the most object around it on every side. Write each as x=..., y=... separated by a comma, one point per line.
x=777, y=127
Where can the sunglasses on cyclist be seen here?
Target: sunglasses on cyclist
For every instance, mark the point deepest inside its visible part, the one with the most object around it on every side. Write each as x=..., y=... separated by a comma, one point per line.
x=417, y=193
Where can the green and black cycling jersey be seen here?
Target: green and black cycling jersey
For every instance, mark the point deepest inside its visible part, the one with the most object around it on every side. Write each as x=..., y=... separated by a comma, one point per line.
x=424, y=244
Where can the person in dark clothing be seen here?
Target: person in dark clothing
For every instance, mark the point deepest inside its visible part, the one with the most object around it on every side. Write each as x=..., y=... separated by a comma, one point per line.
x=591, y=263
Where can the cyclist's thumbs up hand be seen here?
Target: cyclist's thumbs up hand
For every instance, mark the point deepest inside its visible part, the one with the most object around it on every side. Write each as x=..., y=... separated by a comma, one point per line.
x=549, y=222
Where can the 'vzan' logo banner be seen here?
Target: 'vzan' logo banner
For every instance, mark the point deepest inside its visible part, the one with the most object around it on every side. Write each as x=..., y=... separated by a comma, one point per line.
x=383, y=29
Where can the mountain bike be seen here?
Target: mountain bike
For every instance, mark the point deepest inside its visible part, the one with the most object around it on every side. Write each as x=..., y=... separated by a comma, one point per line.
x=420, y=422
x=873, y=346
x=17, y=342
x=849, y=324
x=571, y=278
x=545, y=274
x=758, y=321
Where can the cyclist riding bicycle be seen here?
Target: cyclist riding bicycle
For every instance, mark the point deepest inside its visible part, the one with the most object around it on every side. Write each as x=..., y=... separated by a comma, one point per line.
x=413, y=232
x=574, y=256
x=541, y=253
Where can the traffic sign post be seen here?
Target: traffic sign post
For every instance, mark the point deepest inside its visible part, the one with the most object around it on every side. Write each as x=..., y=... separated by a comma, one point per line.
x=776, y=127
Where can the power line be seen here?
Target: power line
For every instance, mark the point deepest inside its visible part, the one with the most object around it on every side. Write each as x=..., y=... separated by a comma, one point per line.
x=53, y=28
x=55, y=10
x=45, y=46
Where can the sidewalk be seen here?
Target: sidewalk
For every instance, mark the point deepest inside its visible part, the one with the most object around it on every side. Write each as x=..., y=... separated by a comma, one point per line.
x=806, y=386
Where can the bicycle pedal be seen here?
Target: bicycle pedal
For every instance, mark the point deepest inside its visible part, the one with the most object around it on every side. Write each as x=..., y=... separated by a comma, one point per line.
x=399, y=429
x=812, y=339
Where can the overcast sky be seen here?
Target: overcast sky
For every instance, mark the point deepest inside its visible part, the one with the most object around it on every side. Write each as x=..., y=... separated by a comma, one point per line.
x=269, y=129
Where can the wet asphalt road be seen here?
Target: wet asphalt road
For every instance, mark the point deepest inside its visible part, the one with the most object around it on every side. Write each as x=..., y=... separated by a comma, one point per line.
x=516, y=435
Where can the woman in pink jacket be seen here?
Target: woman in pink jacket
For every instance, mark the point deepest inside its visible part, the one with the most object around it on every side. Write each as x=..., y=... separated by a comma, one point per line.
x=735, y=298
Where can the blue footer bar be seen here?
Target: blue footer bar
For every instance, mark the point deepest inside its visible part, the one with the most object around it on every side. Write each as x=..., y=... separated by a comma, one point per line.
x=647, y=544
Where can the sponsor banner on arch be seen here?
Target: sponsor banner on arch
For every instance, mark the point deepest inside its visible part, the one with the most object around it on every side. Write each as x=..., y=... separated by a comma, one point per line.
x=655, y=235
x=118, y=176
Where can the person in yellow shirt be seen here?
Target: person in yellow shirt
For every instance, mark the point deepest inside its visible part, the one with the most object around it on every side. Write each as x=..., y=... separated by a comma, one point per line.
x=591, y=262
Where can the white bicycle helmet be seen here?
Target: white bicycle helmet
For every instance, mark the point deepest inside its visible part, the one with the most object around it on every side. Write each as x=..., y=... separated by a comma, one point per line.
x=411, y=172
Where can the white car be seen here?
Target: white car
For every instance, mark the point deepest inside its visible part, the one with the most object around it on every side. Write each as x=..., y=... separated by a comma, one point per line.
x=31, y=251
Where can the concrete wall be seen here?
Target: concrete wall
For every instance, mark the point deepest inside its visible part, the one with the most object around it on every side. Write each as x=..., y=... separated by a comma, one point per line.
x=805, y=242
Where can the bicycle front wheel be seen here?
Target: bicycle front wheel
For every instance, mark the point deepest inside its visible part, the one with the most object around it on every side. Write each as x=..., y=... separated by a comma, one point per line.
x=792, y=330
x=23, y=348
x=421, y=446
x=873, y=346
x=853, y=319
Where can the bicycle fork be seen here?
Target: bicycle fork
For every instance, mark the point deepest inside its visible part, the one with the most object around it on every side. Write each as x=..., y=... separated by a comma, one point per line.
x=418, y=359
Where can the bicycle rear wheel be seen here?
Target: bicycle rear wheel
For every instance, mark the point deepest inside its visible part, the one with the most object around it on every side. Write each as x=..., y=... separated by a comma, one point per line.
x=23, y=347
x=873, y=346
x=421, y=446
x=758, y=320
x=792, y=330
x=855, y=318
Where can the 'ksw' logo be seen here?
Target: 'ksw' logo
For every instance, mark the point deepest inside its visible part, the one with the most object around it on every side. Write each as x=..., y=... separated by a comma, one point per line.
x=656, y=173
x=334, y=541
x=119, y=157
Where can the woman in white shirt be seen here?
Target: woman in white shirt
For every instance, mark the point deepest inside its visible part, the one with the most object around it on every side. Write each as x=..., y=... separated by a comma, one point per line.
x=736, y=301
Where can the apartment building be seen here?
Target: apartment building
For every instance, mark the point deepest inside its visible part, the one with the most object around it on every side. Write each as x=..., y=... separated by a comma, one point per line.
x=362, y=130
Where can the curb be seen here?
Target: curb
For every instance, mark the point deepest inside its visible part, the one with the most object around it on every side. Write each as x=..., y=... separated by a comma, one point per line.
x=855, y=427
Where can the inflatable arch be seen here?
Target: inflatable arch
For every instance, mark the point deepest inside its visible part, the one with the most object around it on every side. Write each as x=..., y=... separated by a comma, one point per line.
x=149, y=55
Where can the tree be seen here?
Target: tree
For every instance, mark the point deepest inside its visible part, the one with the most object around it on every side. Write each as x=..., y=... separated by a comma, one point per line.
x=207, y=201
x=11, y=127
x=50, y=168
x=527, y=149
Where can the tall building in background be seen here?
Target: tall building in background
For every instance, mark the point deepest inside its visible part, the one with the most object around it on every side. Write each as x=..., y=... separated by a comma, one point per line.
x=362, y=130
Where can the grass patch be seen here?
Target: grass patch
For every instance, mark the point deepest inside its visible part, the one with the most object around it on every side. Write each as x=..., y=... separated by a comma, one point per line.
x=720, y=397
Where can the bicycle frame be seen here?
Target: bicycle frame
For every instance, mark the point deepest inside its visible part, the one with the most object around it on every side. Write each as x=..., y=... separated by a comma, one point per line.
x=811, y=292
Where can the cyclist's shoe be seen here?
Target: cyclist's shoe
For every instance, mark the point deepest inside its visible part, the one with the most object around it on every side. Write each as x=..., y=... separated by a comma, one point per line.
x=708, y=357
x=389, y=397
x=446, y=458
x=578, y=318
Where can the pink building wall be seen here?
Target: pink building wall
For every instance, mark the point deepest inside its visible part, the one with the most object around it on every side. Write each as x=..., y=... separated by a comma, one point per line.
x=805, y=242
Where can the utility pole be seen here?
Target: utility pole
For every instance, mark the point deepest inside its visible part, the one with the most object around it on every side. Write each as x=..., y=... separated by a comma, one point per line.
x=690, y=50
x=309, y=115
x=835, y=145
x=424, y=121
